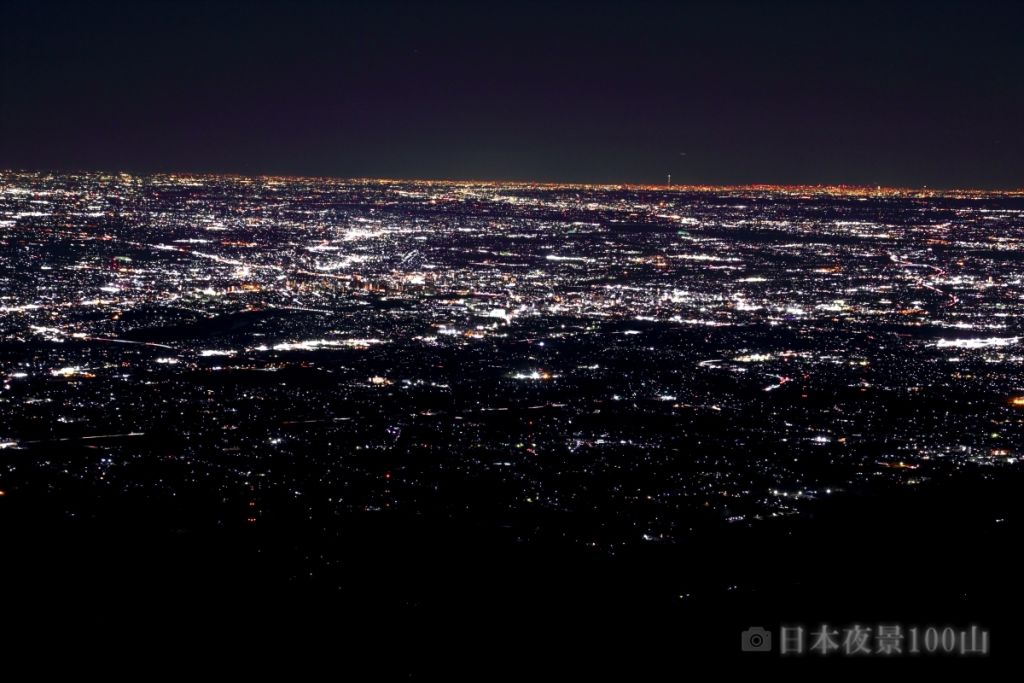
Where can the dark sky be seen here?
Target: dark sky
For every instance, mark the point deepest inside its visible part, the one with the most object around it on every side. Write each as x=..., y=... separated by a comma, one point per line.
x=910, y=94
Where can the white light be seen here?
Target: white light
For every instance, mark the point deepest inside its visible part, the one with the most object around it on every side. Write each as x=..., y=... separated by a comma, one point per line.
x=532, y=375
x=977, y=343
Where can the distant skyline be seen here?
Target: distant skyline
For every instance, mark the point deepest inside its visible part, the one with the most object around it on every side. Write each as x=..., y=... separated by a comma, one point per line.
x=840, y=188
x=923, y=94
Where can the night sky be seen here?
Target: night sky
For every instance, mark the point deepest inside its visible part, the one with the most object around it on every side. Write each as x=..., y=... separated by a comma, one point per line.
x=927, y=93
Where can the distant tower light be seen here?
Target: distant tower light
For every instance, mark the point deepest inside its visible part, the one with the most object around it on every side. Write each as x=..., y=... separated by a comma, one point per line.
x=670, y=180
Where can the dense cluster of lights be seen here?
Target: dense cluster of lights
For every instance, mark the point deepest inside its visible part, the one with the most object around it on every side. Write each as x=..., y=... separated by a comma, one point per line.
x=357, y=346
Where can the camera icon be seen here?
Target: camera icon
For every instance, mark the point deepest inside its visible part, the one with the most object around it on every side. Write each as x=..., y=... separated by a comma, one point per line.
x=756, y=639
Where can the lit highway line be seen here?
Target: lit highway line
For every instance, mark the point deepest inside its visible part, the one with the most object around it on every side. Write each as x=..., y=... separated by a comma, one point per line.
x=127, y=341
x=938, y=272
x=77, y=438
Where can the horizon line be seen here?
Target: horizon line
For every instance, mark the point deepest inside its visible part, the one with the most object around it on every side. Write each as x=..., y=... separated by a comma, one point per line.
x=853, y=188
